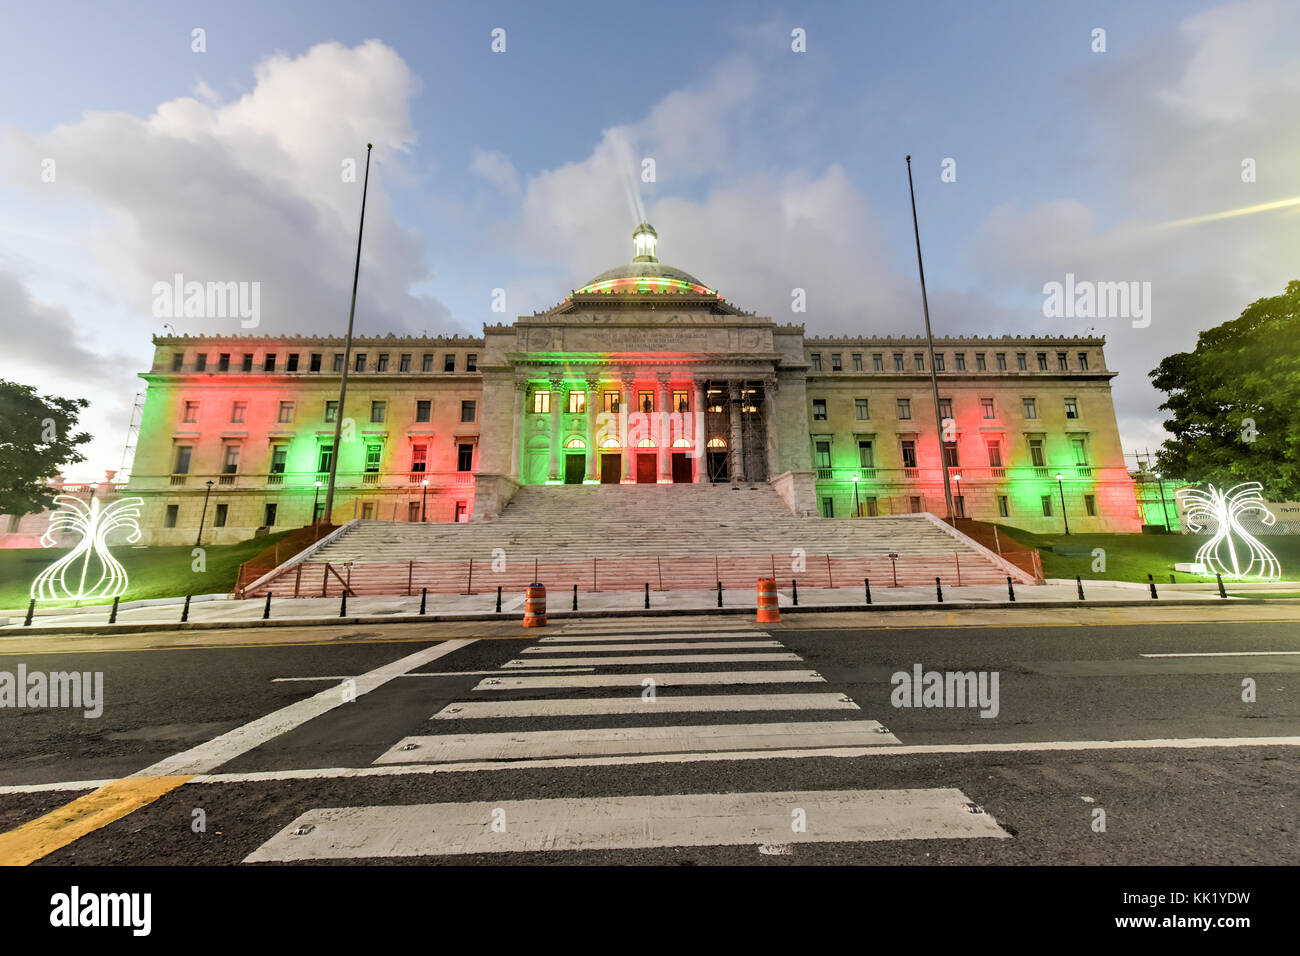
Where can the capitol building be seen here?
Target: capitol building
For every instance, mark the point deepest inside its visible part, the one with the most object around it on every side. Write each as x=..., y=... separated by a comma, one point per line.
x=644, y=375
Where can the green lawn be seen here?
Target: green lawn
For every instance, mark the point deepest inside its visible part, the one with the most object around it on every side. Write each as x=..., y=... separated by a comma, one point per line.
x=151, y=572
x=1131, y=557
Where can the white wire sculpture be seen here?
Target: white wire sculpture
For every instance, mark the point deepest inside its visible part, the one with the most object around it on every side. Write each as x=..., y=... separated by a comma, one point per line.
x=1224, y=510
x=93, y=522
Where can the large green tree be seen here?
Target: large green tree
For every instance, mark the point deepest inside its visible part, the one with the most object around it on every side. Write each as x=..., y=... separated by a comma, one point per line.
x=36, y=441
x=1235, y=401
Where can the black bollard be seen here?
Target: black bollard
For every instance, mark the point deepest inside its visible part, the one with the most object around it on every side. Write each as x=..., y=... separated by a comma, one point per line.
x=185, y=611
x=575, y=597
x=1222, y=592
x=719, y=594
x=31, y=609
x=866, y=583
x=1079, y=583
x=938, y=589
x=1011, y=589
x=647, y=594
x=794, y=591
x=112, y=615
x=498, y=598
x=424, y=597
x=1152, y=582
x=1171, y=579
x=343, y=603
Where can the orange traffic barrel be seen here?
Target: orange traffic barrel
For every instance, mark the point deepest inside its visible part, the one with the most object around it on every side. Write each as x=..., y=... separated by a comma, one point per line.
x=535, y=605
x=768, y=612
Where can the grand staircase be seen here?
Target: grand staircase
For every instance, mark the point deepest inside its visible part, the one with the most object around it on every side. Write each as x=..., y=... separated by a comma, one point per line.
x=608, y=537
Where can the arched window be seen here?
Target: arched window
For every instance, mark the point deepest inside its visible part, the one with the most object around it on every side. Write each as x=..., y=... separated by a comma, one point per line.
x=716, y=443
x=682, y=443
x=645, y=443
x=611, y=443
x=575, y=443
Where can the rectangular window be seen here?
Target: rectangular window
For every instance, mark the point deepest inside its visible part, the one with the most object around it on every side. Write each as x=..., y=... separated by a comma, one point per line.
x=223, y=362
x=1031, y=408
x=1021, y=364
x=238, y=410
x=373, y=455
x=1090, y=505
x=423, y=410
x=324, y=458
x=909, y=453
x=904, y=409
x=980, y=364
x=359, y=362
x=468, y=410
x=816, y=361
x=291, y=363
x=201, y=363
x=337, y=365
x=866, y=454
x=987, y=405
x=823, y=454
x=945, y=408
x=1071, y=408
x=219, y=520
x=1080, y=449
x=426, y=362
x=183, y=454
x=939, y=363
x=419, y=457
x=178, y=359
x=464, y=457
x=995, y=454
x=383, y=363
x=191, y=412
x=449, y=362
x=612, y=402
x=286, y=412
x=1004, y=509
x=1083, y=361
x=279, y=458
x=918, y=361
x=915, y=503
x=961, y=361
x=230, y=460
x=172, y=512
x=898, y=361
x=331, y=411
x=268, y=362
x=828, y=507
x=950, y=455
x=1002, y=361
x=646, y=401
x=1036, y=453
x=541, y=402
x=819, y=409
x=837, y=362
x=471, y=361
x=863, y=409
x=1042, y=361
x=877, y=362
x=247, y=365
x=404, y=362
x=1047, y=505
x=959, y=505
x=857, y=362
x=577, y=401
x=314, y=365
x=1062, y=361
x=681, y=402
x=377, y=412
x=268, y=515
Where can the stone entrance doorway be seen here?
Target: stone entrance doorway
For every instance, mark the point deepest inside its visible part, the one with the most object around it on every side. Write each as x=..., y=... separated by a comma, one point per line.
x=575, y=467
x=683, y=473
x=645, y=468
x=611, y=468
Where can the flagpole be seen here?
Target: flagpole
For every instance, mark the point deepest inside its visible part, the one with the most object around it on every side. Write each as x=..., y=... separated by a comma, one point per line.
x=347, y=354
x=929, y=338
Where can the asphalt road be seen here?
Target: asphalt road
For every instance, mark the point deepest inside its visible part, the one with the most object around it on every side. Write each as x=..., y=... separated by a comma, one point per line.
x=783, y=748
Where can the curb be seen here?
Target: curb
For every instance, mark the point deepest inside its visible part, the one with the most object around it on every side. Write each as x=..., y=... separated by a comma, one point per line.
x=156, y=626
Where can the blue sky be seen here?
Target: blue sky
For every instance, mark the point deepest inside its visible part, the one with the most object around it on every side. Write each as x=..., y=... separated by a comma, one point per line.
x=774, y=169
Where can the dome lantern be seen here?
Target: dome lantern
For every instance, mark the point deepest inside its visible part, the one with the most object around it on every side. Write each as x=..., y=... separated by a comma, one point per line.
x=644, y=240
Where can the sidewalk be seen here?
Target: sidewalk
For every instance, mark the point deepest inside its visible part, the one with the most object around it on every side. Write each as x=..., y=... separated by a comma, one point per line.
x=222, y=611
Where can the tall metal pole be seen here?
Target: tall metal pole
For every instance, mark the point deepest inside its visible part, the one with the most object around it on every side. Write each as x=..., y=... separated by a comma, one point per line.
x=203, y=517
x=347, y=352
x=929, y=339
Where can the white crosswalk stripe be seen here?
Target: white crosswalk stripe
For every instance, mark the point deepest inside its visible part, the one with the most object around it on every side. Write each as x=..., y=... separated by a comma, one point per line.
x=662, y=679
x=655, y=659
x=660, y=704
x=656, y=646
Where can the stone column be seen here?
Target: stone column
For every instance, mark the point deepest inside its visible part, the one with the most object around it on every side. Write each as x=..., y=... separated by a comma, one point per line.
x=665, y=431
x=557, y=409
x=698, y=411
x=773, y=433
x=517, y=427
x=626, y=408
x=593, y=453
x=734, y=392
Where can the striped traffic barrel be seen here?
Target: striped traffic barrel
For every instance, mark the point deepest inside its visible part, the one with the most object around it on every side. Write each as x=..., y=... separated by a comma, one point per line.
x=768, y=613
x=535, y=605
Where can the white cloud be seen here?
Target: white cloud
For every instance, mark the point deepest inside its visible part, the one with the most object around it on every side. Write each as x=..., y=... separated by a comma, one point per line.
x=497, y=169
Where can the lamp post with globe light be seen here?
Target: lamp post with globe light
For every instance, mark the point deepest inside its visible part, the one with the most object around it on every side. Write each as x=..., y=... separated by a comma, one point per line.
x=1064, y=516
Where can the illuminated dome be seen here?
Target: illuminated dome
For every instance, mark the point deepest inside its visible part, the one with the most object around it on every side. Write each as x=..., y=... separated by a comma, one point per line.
x=645, y=273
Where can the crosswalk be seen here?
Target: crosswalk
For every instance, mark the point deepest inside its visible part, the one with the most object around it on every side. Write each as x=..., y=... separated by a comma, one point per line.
x=681, y=692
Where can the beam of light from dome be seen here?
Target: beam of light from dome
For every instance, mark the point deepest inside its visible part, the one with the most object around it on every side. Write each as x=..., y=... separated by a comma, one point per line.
x=1233, y=213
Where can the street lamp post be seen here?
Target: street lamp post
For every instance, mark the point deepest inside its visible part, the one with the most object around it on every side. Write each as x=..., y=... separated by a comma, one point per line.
x=315, y=502
x=857, y=508
x=424, y=498
x=959, y=509
x=1063, y=514
x=203, y=517
x=1163, y=510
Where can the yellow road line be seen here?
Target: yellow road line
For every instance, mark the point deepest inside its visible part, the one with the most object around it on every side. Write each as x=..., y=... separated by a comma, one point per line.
x=56, y=829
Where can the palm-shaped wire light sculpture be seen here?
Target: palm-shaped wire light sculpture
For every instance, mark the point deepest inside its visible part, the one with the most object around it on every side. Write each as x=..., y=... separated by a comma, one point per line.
x=71, y=578
x=1224, y=509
